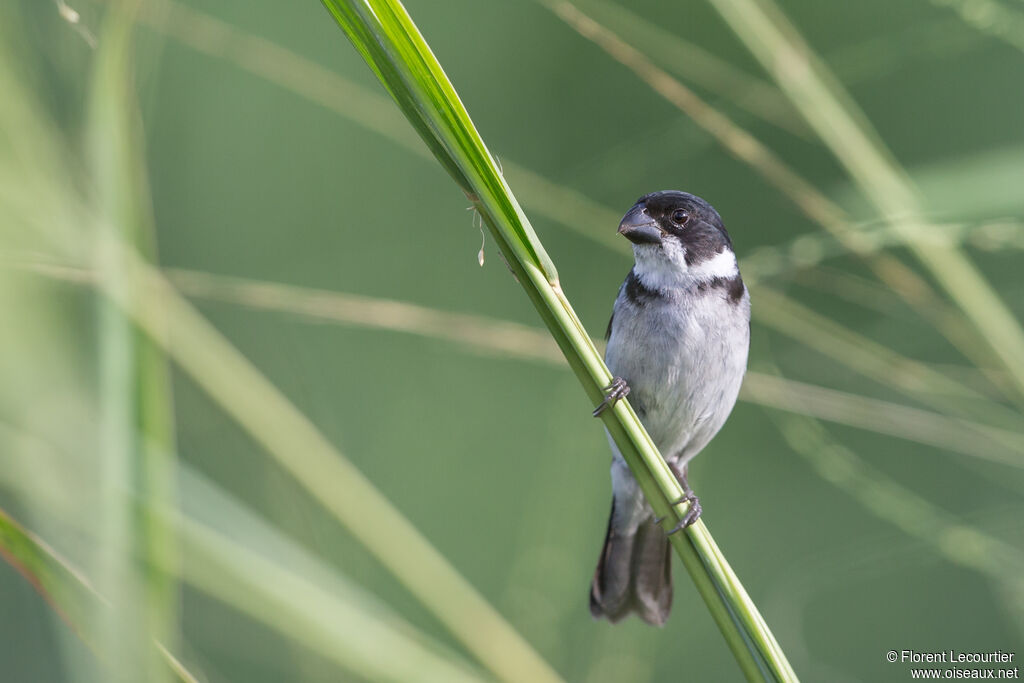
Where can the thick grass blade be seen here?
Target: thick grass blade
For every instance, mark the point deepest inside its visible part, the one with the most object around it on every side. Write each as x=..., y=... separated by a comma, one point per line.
x=137, y=425
x=386, y=37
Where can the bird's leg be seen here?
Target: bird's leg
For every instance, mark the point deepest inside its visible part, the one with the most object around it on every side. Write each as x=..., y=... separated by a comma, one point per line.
x=694, y=509
x=613, y=392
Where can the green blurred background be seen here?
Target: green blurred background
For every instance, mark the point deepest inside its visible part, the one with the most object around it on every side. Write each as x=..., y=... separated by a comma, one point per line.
x=258, y=170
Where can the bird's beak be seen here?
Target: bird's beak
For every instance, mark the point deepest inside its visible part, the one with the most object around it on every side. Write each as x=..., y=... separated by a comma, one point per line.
x=639, y=228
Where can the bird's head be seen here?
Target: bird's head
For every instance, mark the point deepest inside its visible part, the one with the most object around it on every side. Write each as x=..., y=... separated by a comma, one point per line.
x=678, y=238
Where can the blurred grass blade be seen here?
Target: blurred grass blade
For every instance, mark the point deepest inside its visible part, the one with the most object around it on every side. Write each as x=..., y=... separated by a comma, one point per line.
x=737, y=141
x=769, y=35
x=328, y=617
x=504, y=339
x=43, y=186
x=814, y=248
x=877, y=361
x=695, y=64
x=496, y=337
x=501, y=338
x=63, y=588
x=991, y=18
x=239, y=559
x=951, y=537
x=303, y=451
x=317, y=619
x=559, y=203
x=987, y=380
x=385, y=35
x=985, y=183
x=941, y=431
x=751, y=151
x=370, y=516
x=137, y=427
x=69, y=594
x=365, y=108
x=883, y=54
x=315, y=83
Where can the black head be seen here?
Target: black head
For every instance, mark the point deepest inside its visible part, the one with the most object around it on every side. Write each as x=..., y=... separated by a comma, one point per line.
x=673, y=216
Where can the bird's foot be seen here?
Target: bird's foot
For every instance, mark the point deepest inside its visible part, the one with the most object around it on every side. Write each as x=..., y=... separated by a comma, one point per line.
x=694, y=508
x=613, y=392
x=692, y=512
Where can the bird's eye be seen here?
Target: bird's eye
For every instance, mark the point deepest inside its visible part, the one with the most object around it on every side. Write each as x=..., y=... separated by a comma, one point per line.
x=679, y=217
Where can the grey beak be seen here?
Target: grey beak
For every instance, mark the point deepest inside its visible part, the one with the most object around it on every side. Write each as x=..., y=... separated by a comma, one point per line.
x=639, y=228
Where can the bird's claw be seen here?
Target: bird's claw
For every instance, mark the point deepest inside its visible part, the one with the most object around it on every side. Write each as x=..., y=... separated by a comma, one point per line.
x=694, y=509
x=613, y=392
x=692, y=512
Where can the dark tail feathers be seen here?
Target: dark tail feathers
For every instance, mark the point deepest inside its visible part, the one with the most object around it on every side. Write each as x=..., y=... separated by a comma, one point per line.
x=634, y=574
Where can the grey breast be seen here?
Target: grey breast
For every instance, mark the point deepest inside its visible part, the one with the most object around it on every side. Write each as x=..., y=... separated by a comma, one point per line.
x=683, y=354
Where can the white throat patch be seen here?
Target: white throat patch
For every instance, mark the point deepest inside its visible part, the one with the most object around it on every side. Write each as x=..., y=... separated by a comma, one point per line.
x=663, y=266
x=721, y=265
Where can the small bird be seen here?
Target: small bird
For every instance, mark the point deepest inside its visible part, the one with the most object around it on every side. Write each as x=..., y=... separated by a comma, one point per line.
x=677, y=346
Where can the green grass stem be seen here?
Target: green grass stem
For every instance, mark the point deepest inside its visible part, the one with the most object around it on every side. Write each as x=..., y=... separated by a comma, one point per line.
x=386, y=37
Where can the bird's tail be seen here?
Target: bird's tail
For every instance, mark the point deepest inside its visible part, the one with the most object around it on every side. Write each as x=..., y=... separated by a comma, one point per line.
x=634, y=574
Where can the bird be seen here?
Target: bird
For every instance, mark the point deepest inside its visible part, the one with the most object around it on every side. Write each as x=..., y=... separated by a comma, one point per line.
x=678, y=341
